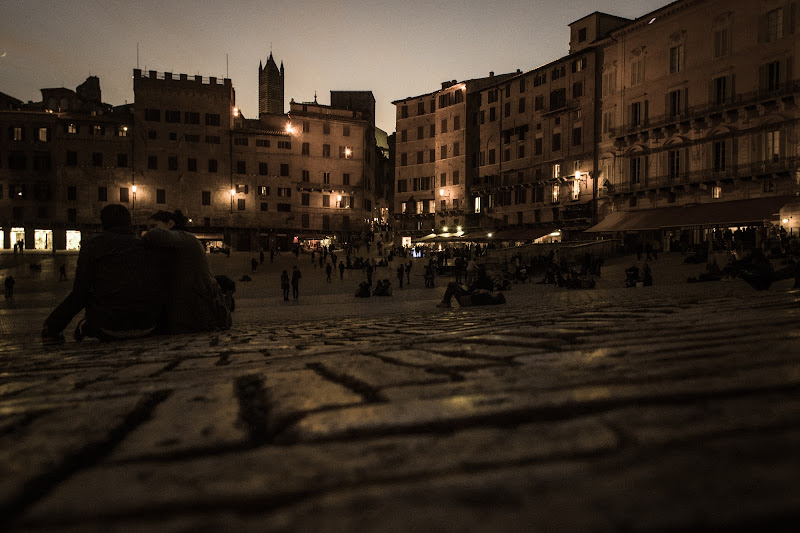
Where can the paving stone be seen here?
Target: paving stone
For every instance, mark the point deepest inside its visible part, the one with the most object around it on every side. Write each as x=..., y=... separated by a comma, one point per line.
x=377, y=373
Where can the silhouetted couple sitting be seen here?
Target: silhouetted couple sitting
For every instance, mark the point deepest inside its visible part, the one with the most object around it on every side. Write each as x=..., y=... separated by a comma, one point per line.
x=480, y=292
x=133, y=286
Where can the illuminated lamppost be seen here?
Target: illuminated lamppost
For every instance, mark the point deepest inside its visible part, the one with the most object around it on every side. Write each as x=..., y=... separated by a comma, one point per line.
x=133, y=204
x=233, y=193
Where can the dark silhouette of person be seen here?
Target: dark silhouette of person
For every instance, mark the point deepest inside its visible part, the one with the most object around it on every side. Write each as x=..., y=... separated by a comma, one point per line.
x=296, y=275
x=285, y=285
x=480, y=292
x=118, y=281
x=341, y=269
x=62, y=273
x=261, y=257
x=408, y=272
x=328, y=270
x=400, y=272
x=253, y=264
x=9, y=286
x=195, y=299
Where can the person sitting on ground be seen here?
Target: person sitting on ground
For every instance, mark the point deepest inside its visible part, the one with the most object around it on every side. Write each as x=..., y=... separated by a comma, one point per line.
x=118, y=281
x=712, y=273
x=195, y=300
x=363, y=290
x=383, y=288
x=479, y=293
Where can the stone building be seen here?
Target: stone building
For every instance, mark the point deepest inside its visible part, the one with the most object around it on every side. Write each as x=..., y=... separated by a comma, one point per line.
x=699, y=127
x=432, y=141
x=250, y=183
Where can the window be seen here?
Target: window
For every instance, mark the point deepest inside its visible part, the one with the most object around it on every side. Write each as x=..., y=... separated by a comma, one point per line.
x=521, y=105
x=716, y=192
x=306, y=126
x=637, y=72
x=673, y=163
x=122, y=160
x=555, y=145
x=326, y=150
x=284, y=169
x=403, y=159
x=240, y=141
x=577, y=136
x=676, y=59
x=577, y=89
x=306, y=176
x=457, y=122
x=345, y=179
x=284, y=192
x=720, y=90
x=152, y=115
x=538, y=145
x=152, y=162
x=770, y=76
x=326, y=200
x=326, y=128
x=206, y=197
x=262, y=143
x=346, y=131
x=555, y=192
x=42, y=135
x=161, y=196
x=636, y=170
x=241, y=167
x=102, y=194
x=774, y=25
x=191, y=117
x=456, y=149
x=326, y=178
x=212, y=119
x=172, y=116
x=443, y=151
x=72, y=214
x=172, y=162
x=637, y=113
x=608, y=121
x=212, y=166
x=345, y=152
x=404, y=111
x=264, y=206
x=72, y=129
x=240, y=204
x=582, y=35
x=492, y=157
x=420, y=108
x=97, y=159
x=674, y=104
x=507, y=109
x=263, y=190
x=213, y=139
x=520, y=151
x=306, y=149
x=722, y=43
x=191, y=138
x=558, y=99
x=124, y=195
x=609, y=82
x=492, y=114
x=538, y=103
x=305, y=199
x=772, y=147
x=285, y=145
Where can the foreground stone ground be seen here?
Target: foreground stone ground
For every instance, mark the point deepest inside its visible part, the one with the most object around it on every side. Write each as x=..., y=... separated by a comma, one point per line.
x=663, y=408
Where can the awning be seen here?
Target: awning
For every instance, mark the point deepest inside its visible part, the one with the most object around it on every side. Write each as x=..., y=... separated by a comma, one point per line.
x=521, y=234
x=209, y=236
x=735, y=213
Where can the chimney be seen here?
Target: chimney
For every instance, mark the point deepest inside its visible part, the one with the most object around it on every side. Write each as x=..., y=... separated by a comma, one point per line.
x=491, y=74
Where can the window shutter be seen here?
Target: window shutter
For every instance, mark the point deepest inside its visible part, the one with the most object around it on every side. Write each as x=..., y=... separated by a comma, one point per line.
x=763, y=75
x=792, y=16
x=667, y=109
x=646, y=169
x=684, y=162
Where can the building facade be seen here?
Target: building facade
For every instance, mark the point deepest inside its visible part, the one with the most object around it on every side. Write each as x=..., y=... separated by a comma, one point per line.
x=183, y=144
x=699, y=111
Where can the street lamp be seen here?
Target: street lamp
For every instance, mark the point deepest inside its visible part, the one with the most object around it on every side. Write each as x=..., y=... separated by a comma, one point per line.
x=133, y=189
x=233, y=193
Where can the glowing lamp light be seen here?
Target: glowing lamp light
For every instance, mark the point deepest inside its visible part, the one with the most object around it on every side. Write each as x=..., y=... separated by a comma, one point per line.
x=235, y=111
x=233, y=192
x=489, y=235
x=445, y=229
x=458, y=229
x=125, y=128
x=133, y=188
x=339, y=198
x=347, y=152
x=441, y=192
x=785, y=220
x=577, y=174
x=289, y=128
x=652, y=20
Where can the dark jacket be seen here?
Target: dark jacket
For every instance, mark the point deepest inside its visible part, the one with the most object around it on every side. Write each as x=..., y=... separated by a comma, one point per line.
x=119, y=283
x=195, y=301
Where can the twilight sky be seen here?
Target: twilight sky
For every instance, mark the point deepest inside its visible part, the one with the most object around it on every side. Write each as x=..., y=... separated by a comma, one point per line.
x=395, y=49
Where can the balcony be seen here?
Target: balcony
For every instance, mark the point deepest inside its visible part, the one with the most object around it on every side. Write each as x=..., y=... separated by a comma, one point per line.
x=730, y=173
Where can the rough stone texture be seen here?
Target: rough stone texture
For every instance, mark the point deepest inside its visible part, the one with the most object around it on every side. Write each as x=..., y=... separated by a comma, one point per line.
x=662, y=408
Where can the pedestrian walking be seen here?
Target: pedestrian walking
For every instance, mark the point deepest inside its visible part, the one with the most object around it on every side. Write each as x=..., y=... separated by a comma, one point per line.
x=9, y=285
x=400, y=272
x=328, y=270
x=341, y=269
x=408, y=272
x=253, y=264
x=271, y=255
x=261, y=257
x=368, y=271
x=62, y=273
x=296, y=275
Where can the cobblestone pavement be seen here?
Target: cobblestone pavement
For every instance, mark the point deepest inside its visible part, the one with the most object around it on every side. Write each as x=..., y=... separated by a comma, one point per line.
x=662, y=408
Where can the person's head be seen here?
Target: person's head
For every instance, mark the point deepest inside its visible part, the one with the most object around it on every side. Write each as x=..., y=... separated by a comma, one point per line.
x=115, y=216
x=167, y=220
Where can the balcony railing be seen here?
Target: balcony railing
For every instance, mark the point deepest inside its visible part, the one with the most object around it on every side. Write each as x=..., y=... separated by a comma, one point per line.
x=747, y=170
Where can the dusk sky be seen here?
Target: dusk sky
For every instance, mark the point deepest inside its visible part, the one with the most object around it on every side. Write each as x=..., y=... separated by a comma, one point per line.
x=394, y=49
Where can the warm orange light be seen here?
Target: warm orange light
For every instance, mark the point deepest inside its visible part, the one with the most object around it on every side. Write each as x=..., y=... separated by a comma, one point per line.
x=133, y=188
x=233, y=192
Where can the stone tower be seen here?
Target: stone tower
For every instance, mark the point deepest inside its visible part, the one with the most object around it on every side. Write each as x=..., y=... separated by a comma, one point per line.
x=270, y=87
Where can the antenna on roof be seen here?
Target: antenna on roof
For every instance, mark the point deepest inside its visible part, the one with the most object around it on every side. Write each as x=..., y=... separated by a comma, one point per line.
x=226, y=65
x=137, y=55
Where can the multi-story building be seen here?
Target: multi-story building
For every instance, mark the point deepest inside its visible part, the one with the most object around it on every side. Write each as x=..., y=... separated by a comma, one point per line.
x=699, y=119
x=272, y=181
x=431, y=171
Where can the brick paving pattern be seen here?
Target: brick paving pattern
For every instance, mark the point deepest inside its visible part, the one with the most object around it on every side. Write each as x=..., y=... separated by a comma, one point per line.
x=662, y=408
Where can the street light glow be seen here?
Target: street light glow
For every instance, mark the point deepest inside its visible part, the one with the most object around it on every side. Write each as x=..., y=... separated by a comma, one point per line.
x=441, y=192
x=233, y=192
x=133, y=188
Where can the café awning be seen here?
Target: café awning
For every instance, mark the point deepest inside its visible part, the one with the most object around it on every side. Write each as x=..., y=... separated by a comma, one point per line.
x=722, y=214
